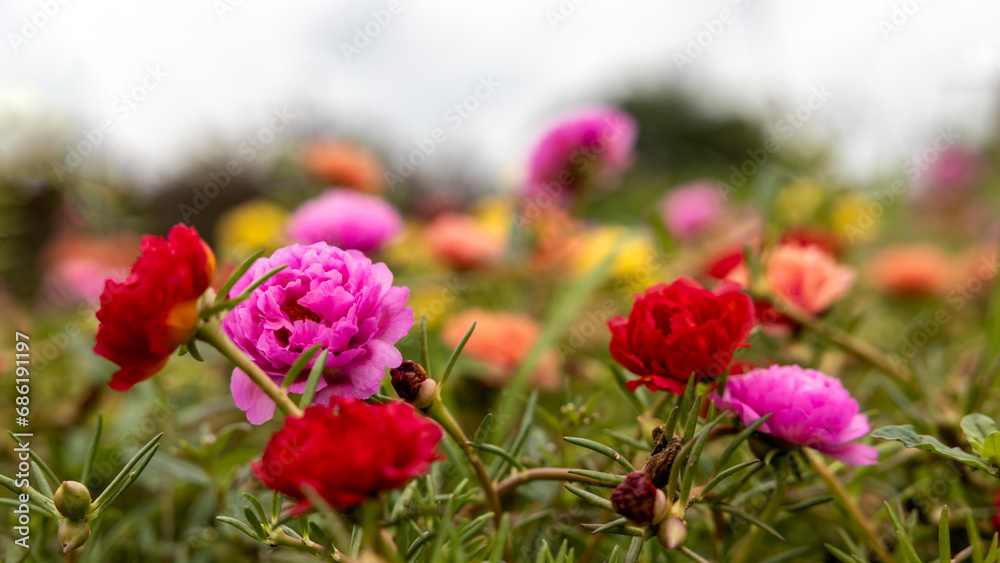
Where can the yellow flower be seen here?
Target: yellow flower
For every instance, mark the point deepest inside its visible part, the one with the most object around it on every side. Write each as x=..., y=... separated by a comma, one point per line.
x=495, y=216
x=855, y=219
x=250, y=226
x=434, y=301
x=798, y=201
x=633, y=251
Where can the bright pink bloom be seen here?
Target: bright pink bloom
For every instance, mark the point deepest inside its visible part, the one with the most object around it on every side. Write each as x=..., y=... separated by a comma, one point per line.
x=345, y=219
x=325, y=296
x=690, y=208
x=808, y=408
x=589, y=148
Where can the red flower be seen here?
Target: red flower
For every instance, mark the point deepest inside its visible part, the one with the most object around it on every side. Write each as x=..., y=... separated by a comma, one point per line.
x=679, y=330
x=348, y=452
x=146, y=317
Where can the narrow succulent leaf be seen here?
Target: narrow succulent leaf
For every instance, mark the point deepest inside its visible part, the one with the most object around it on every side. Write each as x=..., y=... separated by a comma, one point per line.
x=590, y=497
x=841, y=555
x=610, y=479
x=313, y=382
x=500, y=539
x=692, y=419
x=95, y=440
x=498, y=451
x=751, y=519
x=239, y=526
x=726, y=474
x=124, y=473
x=45, y=470
x=255, y=523
x=601, y=449
x=257, y=506
x=484, y=429
x=904, y=538
x=737, y=440
x=454, y=356
x=237, y=274
x=298, y=366
x=944, y=537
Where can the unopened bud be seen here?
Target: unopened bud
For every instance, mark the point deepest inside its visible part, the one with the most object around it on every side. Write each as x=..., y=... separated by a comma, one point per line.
x=73, y=534
x=72, y=500
x=673, y=533
x=639, y=500
x=411, y=384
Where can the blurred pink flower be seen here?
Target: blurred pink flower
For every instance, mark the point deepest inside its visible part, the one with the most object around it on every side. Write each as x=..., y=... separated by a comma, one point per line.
x=952, y=176
x=78, y=265
x=346, y=219
x=807, y=276
x=690, y=208
x=591, y=147
x=807, y=407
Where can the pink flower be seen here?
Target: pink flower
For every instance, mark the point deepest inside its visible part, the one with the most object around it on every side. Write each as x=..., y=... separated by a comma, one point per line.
x=345, y=219
x=955, y=173
x=325, y=296
x=690, y=208
x=808, y=408
x=590, y=147
x=807, y=276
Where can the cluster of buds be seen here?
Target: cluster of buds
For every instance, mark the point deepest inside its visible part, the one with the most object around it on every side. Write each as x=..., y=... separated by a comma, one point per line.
x=72, y=500
x=413, y=386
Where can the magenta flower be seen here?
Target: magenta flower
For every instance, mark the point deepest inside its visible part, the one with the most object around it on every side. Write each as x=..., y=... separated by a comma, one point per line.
x=345, y=219
x=809, y=408
x=690, y=208
x=325, y=296
x=590, y=147
x=951, y=177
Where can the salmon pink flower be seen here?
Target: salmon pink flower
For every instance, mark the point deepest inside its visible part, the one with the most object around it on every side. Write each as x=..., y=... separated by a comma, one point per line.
x=348, y=452
x=327, y=296
x=807, y=276
x=807, y=407
x=147, y=316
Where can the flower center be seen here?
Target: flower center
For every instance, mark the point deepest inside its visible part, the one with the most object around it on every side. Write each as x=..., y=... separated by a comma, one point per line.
x=297, y=312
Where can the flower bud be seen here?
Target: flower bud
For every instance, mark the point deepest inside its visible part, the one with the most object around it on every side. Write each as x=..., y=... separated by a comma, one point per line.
x=73, y=534
x=639, y=500
x=673, y=533
x=72, y=500
x=411, y=384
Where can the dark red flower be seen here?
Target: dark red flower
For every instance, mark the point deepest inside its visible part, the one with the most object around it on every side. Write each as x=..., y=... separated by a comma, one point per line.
x=146, y=317
x=681, y=330
x=348, y=452
x=635, y=498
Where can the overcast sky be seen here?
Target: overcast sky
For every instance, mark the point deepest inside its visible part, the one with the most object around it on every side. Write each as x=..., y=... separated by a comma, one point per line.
x=211, y=71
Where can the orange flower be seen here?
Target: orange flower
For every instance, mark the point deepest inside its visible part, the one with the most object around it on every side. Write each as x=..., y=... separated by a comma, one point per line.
x=807, y=276
x=910, y=270
x=344, y=165
x=464, y=243
x=501, y=342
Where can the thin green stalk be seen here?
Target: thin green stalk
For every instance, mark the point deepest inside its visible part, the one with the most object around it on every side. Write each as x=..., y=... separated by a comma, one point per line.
x=211, y=333
x=847, y=502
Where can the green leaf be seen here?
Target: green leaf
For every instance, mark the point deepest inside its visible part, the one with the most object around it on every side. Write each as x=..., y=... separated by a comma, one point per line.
x=973, y=531
x=976, y=428
x=255, y=523
x=500, y=539
x=239, y=526
x=314, y=374
x=610, y=479
x=722, y=476
x=88, y=461
x=257, y=506
x=218, y=307
x=425, y=355
x=527, y=419
x=454, y=355
x=298, y=366
x=909, y=437
x=991, y=448
x=127, y=476
x=237, y=274
x=497, y=450
x=841, y=556
x=46, y=472
x=610, y=526
x=739, y=439
x=590, y=497
x=484, y=429
x=752, y=519
x=795, y=552
x=944, y=537
x=601, y=449
x=904, y=538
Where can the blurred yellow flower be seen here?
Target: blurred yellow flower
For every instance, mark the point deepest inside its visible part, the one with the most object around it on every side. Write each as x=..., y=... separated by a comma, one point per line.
x=798, y=201
x=494, y=214
x=250, y=226
x=633, y=251
x=855, y=219
x=433, y=301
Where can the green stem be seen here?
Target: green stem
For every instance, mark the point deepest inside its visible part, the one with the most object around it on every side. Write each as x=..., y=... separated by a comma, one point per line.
x=442, y=416
x=845, y=340
x=847, y=502
x=770, y=512
x=211, y=333
x=542, y=474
